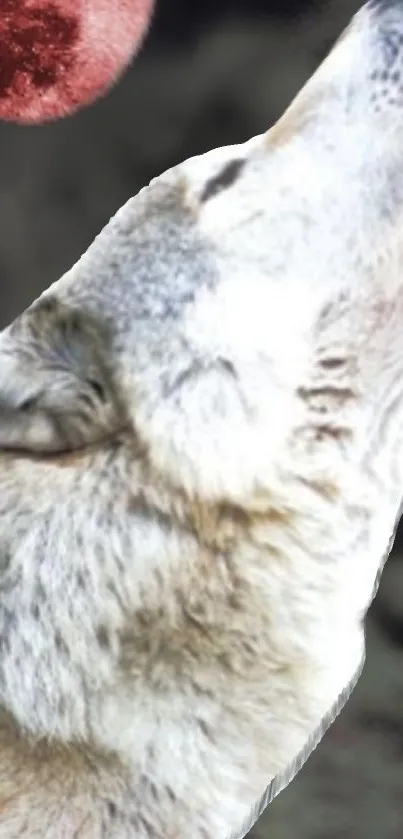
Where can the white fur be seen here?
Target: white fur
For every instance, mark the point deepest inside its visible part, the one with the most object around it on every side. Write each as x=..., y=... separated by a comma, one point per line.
x=197, y=499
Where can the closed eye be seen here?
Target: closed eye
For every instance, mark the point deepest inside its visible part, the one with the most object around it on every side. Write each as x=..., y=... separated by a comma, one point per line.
x=28, y=404
x=98, y=389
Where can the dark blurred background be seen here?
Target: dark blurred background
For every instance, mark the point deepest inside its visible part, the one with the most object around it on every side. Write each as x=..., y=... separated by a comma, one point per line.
x=211, y=72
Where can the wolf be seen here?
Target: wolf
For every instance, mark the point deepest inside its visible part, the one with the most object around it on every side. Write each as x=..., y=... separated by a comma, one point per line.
x=201, y=469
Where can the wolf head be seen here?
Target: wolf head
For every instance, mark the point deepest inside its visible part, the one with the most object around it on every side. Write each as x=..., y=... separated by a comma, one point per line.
x=244, y=298
x=230, y=345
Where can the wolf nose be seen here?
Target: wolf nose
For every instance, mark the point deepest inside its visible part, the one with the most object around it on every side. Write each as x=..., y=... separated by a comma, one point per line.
x=389, y=15
x=379, y=49
x=385, y=7
x=386, y=4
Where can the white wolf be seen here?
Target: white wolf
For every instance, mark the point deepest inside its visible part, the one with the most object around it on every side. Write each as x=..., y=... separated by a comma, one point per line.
x=201, y=430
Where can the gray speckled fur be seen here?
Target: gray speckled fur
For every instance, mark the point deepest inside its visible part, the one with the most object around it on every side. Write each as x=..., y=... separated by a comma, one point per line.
x=200, y=467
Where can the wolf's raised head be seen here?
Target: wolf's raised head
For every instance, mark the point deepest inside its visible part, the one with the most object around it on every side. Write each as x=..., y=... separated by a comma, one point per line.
x=201, y=429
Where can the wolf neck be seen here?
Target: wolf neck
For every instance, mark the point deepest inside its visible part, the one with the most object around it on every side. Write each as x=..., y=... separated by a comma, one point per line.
x=47, y=792
x=311, y=564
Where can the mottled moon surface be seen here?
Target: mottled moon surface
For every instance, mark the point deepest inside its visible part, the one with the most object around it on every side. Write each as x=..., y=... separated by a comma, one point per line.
x=57, y=56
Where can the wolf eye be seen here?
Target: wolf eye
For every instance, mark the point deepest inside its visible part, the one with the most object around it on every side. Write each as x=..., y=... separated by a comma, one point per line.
x=98, y=389
x=28, y=404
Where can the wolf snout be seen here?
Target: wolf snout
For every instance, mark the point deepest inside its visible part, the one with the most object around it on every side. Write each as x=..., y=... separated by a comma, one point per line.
x=386, y=17
x=386, y=54
x=365, y=70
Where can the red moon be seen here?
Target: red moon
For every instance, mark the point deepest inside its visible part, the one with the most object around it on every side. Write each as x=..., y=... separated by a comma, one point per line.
x=56, y=56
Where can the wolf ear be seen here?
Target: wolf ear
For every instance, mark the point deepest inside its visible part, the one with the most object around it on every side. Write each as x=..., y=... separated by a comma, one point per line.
x=56, y=393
